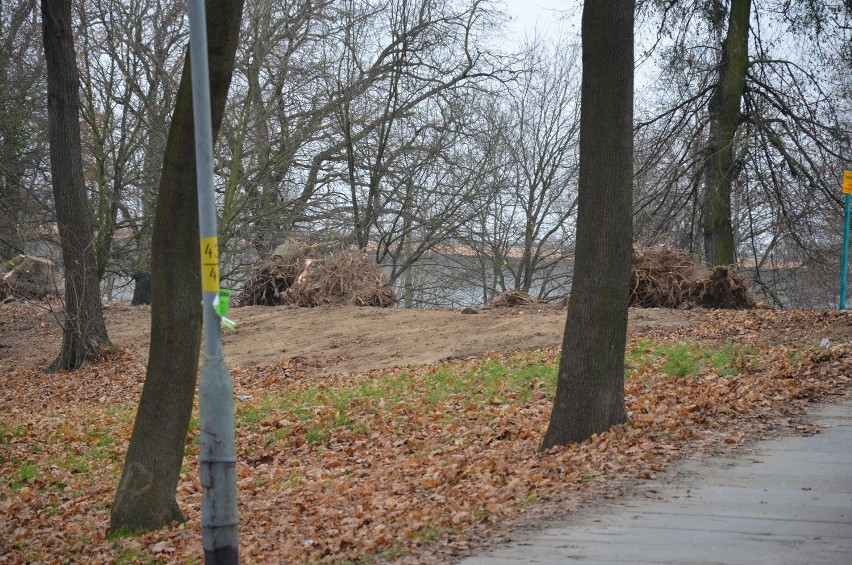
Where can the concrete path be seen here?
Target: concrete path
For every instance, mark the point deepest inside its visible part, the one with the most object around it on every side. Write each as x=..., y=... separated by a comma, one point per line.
x=783, y=501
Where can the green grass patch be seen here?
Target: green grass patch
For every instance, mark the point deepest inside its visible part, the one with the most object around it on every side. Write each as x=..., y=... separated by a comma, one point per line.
x=316, y=414
x=395, y=399
x=123, y=532
x=26, y=473
x=430, y=532
x=315, y=435
x=9, y=432
x=505, y=382
x=128, y=555
x=123, y=554
x=80, y=466
x=686, y=358
x=124, y=413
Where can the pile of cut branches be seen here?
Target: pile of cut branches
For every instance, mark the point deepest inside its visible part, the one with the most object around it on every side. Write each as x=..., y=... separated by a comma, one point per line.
x=513, y=299
x=294, y=277
x=664, y=277
x=344, y=277
x=26, y=277
x=271, y=278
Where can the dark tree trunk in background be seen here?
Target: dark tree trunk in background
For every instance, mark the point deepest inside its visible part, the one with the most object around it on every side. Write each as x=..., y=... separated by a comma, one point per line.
x=141, y=289
x=84, y=333
x=590, y=390
x=146, y=492
x=719, y=245
x=10, y=205
x=16, y=79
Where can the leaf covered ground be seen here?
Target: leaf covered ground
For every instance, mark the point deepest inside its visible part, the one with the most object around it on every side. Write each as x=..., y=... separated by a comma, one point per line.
x=416, y=464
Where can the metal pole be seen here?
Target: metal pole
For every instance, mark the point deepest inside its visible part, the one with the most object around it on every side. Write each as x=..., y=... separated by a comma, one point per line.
x=217, y=457
x=845, y=262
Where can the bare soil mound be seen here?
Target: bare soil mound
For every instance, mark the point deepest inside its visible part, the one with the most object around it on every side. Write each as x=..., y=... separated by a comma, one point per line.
x=332, y=339
x=664, y=277
x=344, y=339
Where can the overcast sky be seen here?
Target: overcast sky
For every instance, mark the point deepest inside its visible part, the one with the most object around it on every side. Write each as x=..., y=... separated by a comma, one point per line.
x=544, y=14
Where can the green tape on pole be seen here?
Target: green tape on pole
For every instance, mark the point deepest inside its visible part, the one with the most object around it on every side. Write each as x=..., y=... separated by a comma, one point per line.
x=221, y=303
x=224, y=301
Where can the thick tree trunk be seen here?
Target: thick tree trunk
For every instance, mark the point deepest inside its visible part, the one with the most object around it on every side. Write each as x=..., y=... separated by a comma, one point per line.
x=590, y=390
x=84, y=332
x=719, y=245
x=141, y=289
x=146, y=492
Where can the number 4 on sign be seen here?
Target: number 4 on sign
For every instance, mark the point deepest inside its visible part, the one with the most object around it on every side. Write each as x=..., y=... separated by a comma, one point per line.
x=209, y=264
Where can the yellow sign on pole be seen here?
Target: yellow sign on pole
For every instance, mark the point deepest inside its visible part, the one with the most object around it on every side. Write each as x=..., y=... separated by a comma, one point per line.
x=209, y=264
x=847, y=182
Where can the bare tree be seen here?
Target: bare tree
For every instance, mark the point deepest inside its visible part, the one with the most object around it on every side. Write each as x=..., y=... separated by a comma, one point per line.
x=746, y=126
x=724, y=110
x=345, y=114
x=532, y=217
x=129, y=54
x=23, y=139
x=279, y=110
x=84, y=332
x=590, y=390
x=145, y=498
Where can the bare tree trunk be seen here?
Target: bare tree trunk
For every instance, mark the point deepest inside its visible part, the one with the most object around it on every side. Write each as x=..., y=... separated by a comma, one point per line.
x=145, y=498
x=141, y=289
x=10, y=211
x=17, y=77
x=84, y=333
x=724, y=118
x=590, y=390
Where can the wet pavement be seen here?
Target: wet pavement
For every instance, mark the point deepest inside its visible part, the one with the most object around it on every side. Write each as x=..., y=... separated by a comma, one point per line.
x=781, y=501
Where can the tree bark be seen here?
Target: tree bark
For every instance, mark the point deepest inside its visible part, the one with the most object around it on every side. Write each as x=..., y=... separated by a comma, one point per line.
x=141, y=289
x=145, y=498
x=18, y=77
x=10, y=210
x=84, y=332
x=590, y=387
x=719, y=245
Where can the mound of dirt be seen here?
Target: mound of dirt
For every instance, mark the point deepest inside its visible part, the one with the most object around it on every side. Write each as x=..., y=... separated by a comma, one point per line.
x=664, y=277
x=513, y=299
x=344, y=277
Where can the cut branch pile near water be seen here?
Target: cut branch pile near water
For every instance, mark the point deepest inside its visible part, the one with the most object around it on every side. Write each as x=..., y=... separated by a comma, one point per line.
x=513, y=299
x=664, y=277
x=345, y=277
x=271, y=278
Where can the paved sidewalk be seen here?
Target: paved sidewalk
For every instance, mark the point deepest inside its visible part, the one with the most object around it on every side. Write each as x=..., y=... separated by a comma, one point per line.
x=784, y=501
